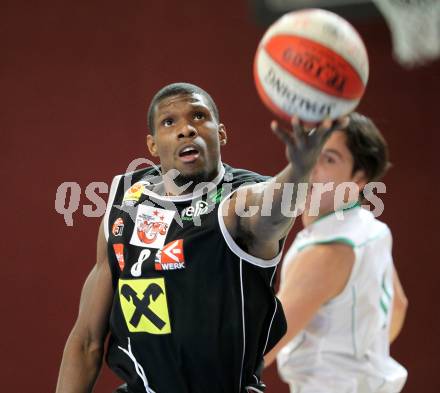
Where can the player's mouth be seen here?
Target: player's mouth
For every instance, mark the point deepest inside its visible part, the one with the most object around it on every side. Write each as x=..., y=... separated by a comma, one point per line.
x=188, y=153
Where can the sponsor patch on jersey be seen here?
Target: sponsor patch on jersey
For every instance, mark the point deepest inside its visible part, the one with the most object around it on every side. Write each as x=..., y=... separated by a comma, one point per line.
x=119, y=252
x=133, y=194
x=144, y=305
x=118, y=227
x=201, y=207
x=170, y=257
x=136, y=269
x=151, y=226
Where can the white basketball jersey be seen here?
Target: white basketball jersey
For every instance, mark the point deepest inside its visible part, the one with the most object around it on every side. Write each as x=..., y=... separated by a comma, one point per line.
x=345, y=348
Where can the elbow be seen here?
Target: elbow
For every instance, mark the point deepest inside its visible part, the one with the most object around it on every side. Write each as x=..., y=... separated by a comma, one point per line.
x=93, y=349
x=85, y=346
x=267, y=361
x=96, y=349
x=401, y=304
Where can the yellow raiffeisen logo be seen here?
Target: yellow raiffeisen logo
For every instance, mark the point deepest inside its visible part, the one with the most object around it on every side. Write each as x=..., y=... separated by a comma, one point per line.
x=144, y=304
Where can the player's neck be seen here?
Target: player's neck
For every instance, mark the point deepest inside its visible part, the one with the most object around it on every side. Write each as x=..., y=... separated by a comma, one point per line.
x=180, y=185
x=308, y=219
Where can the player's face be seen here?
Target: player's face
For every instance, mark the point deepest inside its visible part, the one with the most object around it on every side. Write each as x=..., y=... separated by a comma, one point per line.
x=187, y=137
x=334, y=165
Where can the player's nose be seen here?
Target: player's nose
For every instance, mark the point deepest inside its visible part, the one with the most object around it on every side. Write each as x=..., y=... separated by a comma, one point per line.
x=314, y=173
x=187, y=131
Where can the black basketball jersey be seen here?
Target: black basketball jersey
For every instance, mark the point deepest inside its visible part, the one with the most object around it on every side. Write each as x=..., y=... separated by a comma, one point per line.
x=193, y=312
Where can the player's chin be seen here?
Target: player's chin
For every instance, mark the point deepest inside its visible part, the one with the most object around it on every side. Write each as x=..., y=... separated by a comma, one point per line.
x=190, y=168
x=189, y=173
x=192, y=173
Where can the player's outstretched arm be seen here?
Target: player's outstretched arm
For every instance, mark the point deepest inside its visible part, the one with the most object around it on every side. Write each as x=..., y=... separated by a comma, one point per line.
x=319, y=274
x=83, y=352
x=400, y=305
x=261, y=232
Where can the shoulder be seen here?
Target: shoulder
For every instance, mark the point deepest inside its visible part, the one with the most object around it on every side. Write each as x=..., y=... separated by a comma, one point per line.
x=322, y=270
x=363, y=228
x=238, y=177
x=326, y=256
x=135, y=182
x=127, y=189
x=148, y=176
x=354, y=227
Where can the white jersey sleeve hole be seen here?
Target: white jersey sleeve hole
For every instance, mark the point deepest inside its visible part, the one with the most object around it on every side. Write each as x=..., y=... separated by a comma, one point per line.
x=237, y=250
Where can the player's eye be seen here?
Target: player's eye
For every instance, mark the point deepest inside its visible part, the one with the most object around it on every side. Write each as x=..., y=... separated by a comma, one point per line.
x=330, y=160
x=168, y=122
x=199, y=115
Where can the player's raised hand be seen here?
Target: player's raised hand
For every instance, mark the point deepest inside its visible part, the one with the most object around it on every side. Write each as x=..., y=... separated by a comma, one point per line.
x=304, y=144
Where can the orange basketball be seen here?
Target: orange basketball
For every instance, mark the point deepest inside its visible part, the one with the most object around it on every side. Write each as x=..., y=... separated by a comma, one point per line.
x=311, y=64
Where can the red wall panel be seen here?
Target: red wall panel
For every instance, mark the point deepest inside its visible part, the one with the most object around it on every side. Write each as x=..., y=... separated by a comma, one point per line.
x=76, y=79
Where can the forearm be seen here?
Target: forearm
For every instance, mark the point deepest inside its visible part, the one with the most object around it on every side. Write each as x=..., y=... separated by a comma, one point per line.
x=267, y=212
x=286, y=187
x=279, y=202
x=80, y=366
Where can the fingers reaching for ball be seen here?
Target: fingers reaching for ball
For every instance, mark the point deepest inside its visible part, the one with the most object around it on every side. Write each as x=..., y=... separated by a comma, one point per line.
x=304, y=141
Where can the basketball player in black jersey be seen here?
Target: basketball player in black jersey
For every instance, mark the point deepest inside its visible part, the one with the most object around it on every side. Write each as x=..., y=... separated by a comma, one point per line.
x=183, y=280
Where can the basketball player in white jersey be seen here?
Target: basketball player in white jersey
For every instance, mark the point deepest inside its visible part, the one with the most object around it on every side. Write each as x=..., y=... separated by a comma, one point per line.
x=342, y=298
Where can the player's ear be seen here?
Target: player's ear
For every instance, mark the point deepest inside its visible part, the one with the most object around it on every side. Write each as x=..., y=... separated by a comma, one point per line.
x=360, y=178
x=151, y=144
x=222, y=137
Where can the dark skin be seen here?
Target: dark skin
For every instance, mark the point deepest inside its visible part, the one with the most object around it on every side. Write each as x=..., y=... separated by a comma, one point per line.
x=188, y=138
x=187, y=121
x=84, y=350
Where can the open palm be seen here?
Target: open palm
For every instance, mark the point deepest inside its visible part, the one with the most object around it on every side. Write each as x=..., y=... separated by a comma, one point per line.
x=303, y=146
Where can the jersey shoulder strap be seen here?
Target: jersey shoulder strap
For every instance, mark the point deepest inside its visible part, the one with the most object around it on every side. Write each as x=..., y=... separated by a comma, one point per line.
x=242, y=177
x=128, y=188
